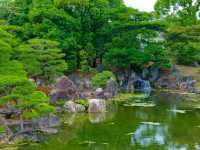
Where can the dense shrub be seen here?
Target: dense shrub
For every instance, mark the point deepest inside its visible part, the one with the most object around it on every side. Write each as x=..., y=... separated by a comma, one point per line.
x=100, y=79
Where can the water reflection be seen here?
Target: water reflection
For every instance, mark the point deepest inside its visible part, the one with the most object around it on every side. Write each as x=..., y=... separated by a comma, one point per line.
x=147, y=135
x=178, y=147
x=165, y=126
x=111, y=110
x=97, y=117
x=70, y=118
x=197, y=146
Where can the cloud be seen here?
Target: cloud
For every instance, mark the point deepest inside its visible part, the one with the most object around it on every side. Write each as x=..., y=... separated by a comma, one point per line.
x=143, y=5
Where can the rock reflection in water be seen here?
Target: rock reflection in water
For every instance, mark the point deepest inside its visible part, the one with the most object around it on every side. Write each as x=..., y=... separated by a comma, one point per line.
x=147, y=135
x=104, y=116
x=69, y=119
x=97, y=117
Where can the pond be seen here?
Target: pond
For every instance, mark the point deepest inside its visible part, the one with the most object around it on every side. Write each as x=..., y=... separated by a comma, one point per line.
x=171, y=123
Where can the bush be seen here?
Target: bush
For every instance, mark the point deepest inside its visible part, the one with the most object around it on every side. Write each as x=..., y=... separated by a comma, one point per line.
x=100, y=79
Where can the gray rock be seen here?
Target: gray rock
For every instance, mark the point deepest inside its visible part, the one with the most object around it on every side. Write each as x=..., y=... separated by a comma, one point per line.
x=64, y=90
x=96, y=105
x=3, y=138
x=49, y=130
x=187, y=84
x=49, y=121
x=154, y=73
x=177, y=81
x=70, y=106
x=99, y=93
x=87, y=84
x=111, y=88
x=80, y=82
x=127, y=82
x=166, y=82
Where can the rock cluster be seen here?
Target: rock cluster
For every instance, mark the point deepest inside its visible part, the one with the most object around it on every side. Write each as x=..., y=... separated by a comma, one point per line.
x=96, y=106
x=64, y=90
x=108, y=92
x=71, y=106
x=176, y=81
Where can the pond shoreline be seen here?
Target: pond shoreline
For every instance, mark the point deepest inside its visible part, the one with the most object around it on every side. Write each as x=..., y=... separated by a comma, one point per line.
x=137, y=98
x=74, y=121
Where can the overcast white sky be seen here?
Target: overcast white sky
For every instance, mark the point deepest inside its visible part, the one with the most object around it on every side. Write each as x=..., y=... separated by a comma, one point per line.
x=143, y=5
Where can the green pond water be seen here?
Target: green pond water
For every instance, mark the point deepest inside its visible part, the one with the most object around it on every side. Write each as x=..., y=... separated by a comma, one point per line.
x=171, y=123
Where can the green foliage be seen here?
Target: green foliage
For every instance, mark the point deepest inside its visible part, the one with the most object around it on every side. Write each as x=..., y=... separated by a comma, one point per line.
x=100, y=79
x=84, y=33
x=61, y=103
x=158, y=54
x=182, y=12
x=126, y=58
x=2, y=129
x=123, y=58
x=183, y=44
x=182, y=36
x=42, y=59
x=83, y=102
x=84, y=65
x=16, y=89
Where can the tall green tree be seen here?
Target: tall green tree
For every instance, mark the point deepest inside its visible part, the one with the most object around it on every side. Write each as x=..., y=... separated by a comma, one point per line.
x=16, y=90
x=43, y=60
x=183, y=12
x=183, y=44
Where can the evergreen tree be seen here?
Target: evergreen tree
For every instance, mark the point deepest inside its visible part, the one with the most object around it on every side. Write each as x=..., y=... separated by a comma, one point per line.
x=43, y=60
x=16, y=90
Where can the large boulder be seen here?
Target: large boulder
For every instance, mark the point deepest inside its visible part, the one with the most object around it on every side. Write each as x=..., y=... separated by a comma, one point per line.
x=64, y=90
x=81, y=82
x=187, y=84
x=99, y=93
x=108, y=92
x=126, y=82
x=97, y=105
x=70, y=106
x=175, y=80
x=167, y=82
x=47, y=122
x=111, y=88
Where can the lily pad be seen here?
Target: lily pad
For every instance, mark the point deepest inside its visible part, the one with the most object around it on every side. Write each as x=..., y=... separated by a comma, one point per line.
x=111, y=123
x=105, y=143
x=196, y=107
x=179, y=111
x=131, y=133
x=87, y=142
x=134, y=97
x=151, y=123
x=140, y=105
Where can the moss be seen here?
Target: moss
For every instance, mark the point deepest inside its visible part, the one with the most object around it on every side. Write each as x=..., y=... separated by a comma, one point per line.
x=83, y=102
x=2, y=129
x=61, y=103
